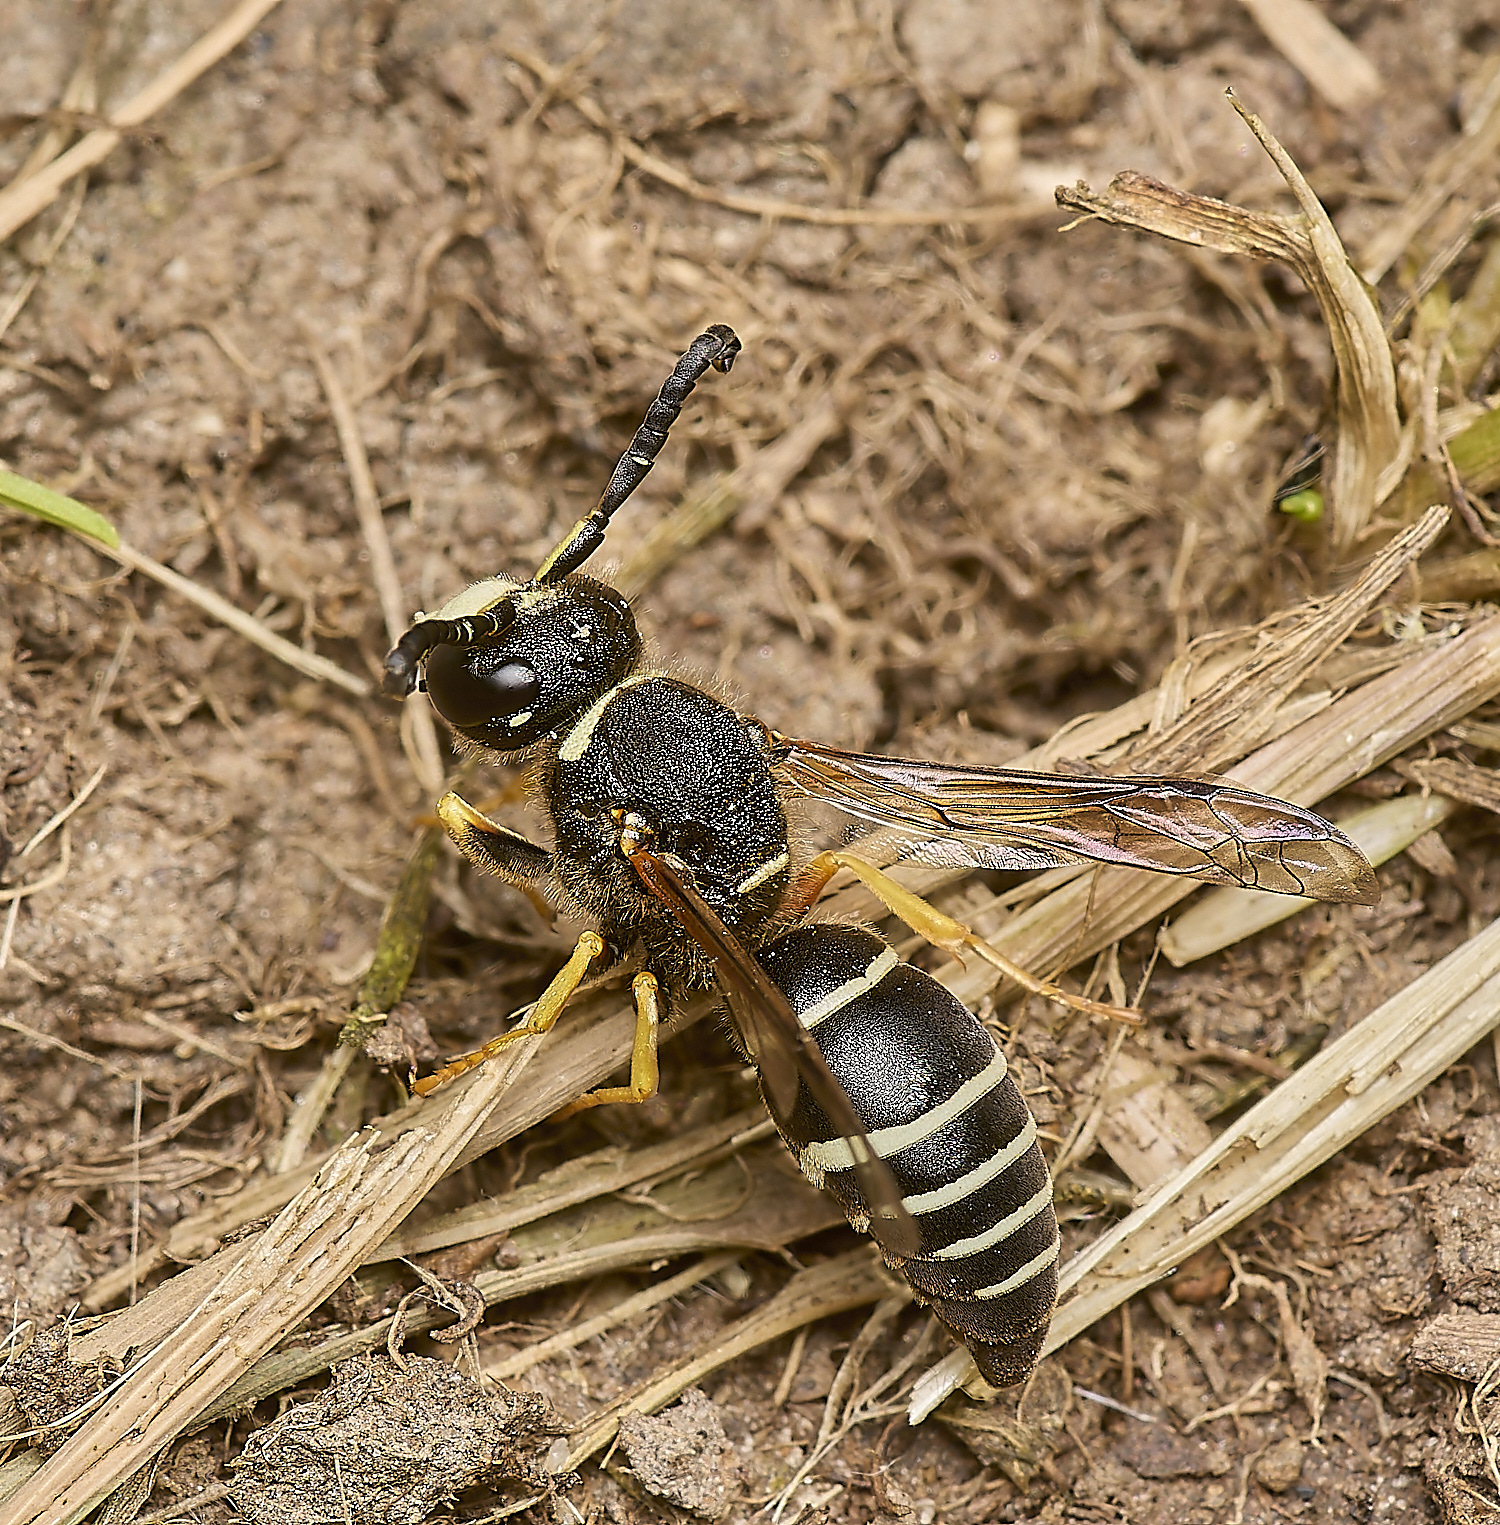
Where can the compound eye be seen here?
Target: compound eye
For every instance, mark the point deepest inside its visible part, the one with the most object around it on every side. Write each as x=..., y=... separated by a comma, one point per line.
x=470, y=700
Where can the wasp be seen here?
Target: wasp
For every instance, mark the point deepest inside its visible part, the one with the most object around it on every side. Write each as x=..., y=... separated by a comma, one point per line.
x=669, y=834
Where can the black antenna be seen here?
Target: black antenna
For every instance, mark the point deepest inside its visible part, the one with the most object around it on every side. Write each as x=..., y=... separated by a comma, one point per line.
x=716, y=347
x=402, y=659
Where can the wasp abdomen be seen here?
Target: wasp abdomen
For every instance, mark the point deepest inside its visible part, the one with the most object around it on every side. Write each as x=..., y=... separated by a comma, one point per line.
x=939, y=1108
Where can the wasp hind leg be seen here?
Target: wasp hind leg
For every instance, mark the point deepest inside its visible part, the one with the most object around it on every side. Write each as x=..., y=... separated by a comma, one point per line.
x=940, y=929
x=543, y=1015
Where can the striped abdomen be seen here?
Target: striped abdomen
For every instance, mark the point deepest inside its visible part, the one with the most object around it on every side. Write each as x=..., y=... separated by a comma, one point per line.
x=938, y=1107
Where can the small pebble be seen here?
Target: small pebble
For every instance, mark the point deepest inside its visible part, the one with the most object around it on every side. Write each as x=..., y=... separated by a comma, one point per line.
x=1280, y=1465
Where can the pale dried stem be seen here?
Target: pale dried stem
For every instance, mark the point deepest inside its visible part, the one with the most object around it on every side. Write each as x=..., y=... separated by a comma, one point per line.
x=504, y=1368
x=424, y=753
x=262, y=1289
x=1367, y=450
x=1325, y=58
x=768, y=1210
x=310, y=1107
x=308, y=663
x=570, y=1063
x=22, y=200
x=850, y=1281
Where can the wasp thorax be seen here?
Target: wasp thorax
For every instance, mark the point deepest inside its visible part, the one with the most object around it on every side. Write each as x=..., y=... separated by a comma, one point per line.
x=564, y=647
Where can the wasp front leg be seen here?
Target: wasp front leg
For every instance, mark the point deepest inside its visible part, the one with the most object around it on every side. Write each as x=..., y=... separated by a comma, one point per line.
x=938, y=928
x=491, y=847
x=541, y=1019
x=496, y=849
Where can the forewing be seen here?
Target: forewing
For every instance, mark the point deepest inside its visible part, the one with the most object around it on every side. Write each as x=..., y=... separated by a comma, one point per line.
x=784, y=1051
x=1205, y=828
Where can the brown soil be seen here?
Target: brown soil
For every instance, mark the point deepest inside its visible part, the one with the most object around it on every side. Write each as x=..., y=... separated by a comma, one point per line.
x=1035, y=465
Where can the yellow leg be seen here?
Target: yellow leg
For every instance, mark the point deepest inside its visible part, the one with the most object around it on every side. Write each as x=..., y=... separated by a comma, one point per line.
x=544, y=1014
x=942, y=931
x=644, y=1072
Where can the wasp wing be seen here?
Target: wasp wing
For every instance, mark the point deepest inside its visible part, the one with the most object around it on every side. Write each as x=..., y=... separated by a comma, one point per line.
x=1203, y=828
x=785, y=1053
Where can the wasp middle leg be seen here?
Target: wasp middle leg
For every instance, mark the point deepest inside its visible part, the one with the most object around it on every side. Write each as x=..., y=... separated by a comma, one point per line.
x=645, y=1072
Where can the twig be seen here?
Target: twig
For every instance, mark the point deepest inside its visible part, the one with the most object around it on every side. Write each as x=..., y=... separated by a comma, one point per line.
x=1369, y=425
x=309, y=663
x=54, y=875
x=583, y=1244
x=75, y=804
x=271, y=1284
x=769, y=206
x=1325, y=58
x=20, y=202
x=631, y=1308
x=850, y=1281
x=425, y=755
x=48, y=1041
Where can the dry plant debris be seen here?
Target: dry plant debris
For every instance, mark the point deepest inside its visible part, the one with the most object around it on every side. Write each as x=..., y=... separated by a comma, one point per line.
x=331, y=308
x=389, y=1442
x=683, y=1456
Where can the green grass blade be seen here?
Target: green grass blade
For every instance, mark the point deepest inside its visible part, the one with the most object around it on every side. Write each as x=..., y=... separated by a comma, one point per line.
x=67, y=513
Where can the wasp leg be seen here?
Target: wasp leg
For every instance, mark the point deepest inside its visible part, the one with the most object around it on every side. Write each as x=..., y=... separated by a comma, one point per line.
x=543, y=1015
x=941, y=930
x=644, y=1072
x=496, y=849
x=488, y=845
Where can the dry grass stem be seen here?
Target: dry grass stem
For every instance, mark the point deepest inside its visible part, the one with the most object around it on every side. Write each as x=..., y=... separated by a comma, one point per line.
x=1369, y=427
x=308, y=663
x=850, y=1281
x=310, y=1108
x=425, y=753
x=504, y=1368
x=23, y=199
x=577, y=1056
x=1224, y=917
x=1240, y=711
x=1146, y=1125
x=582, y=1179
x=263, y=1288
x=577, y=1182
x=751, y=1205
x=1456, y=778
